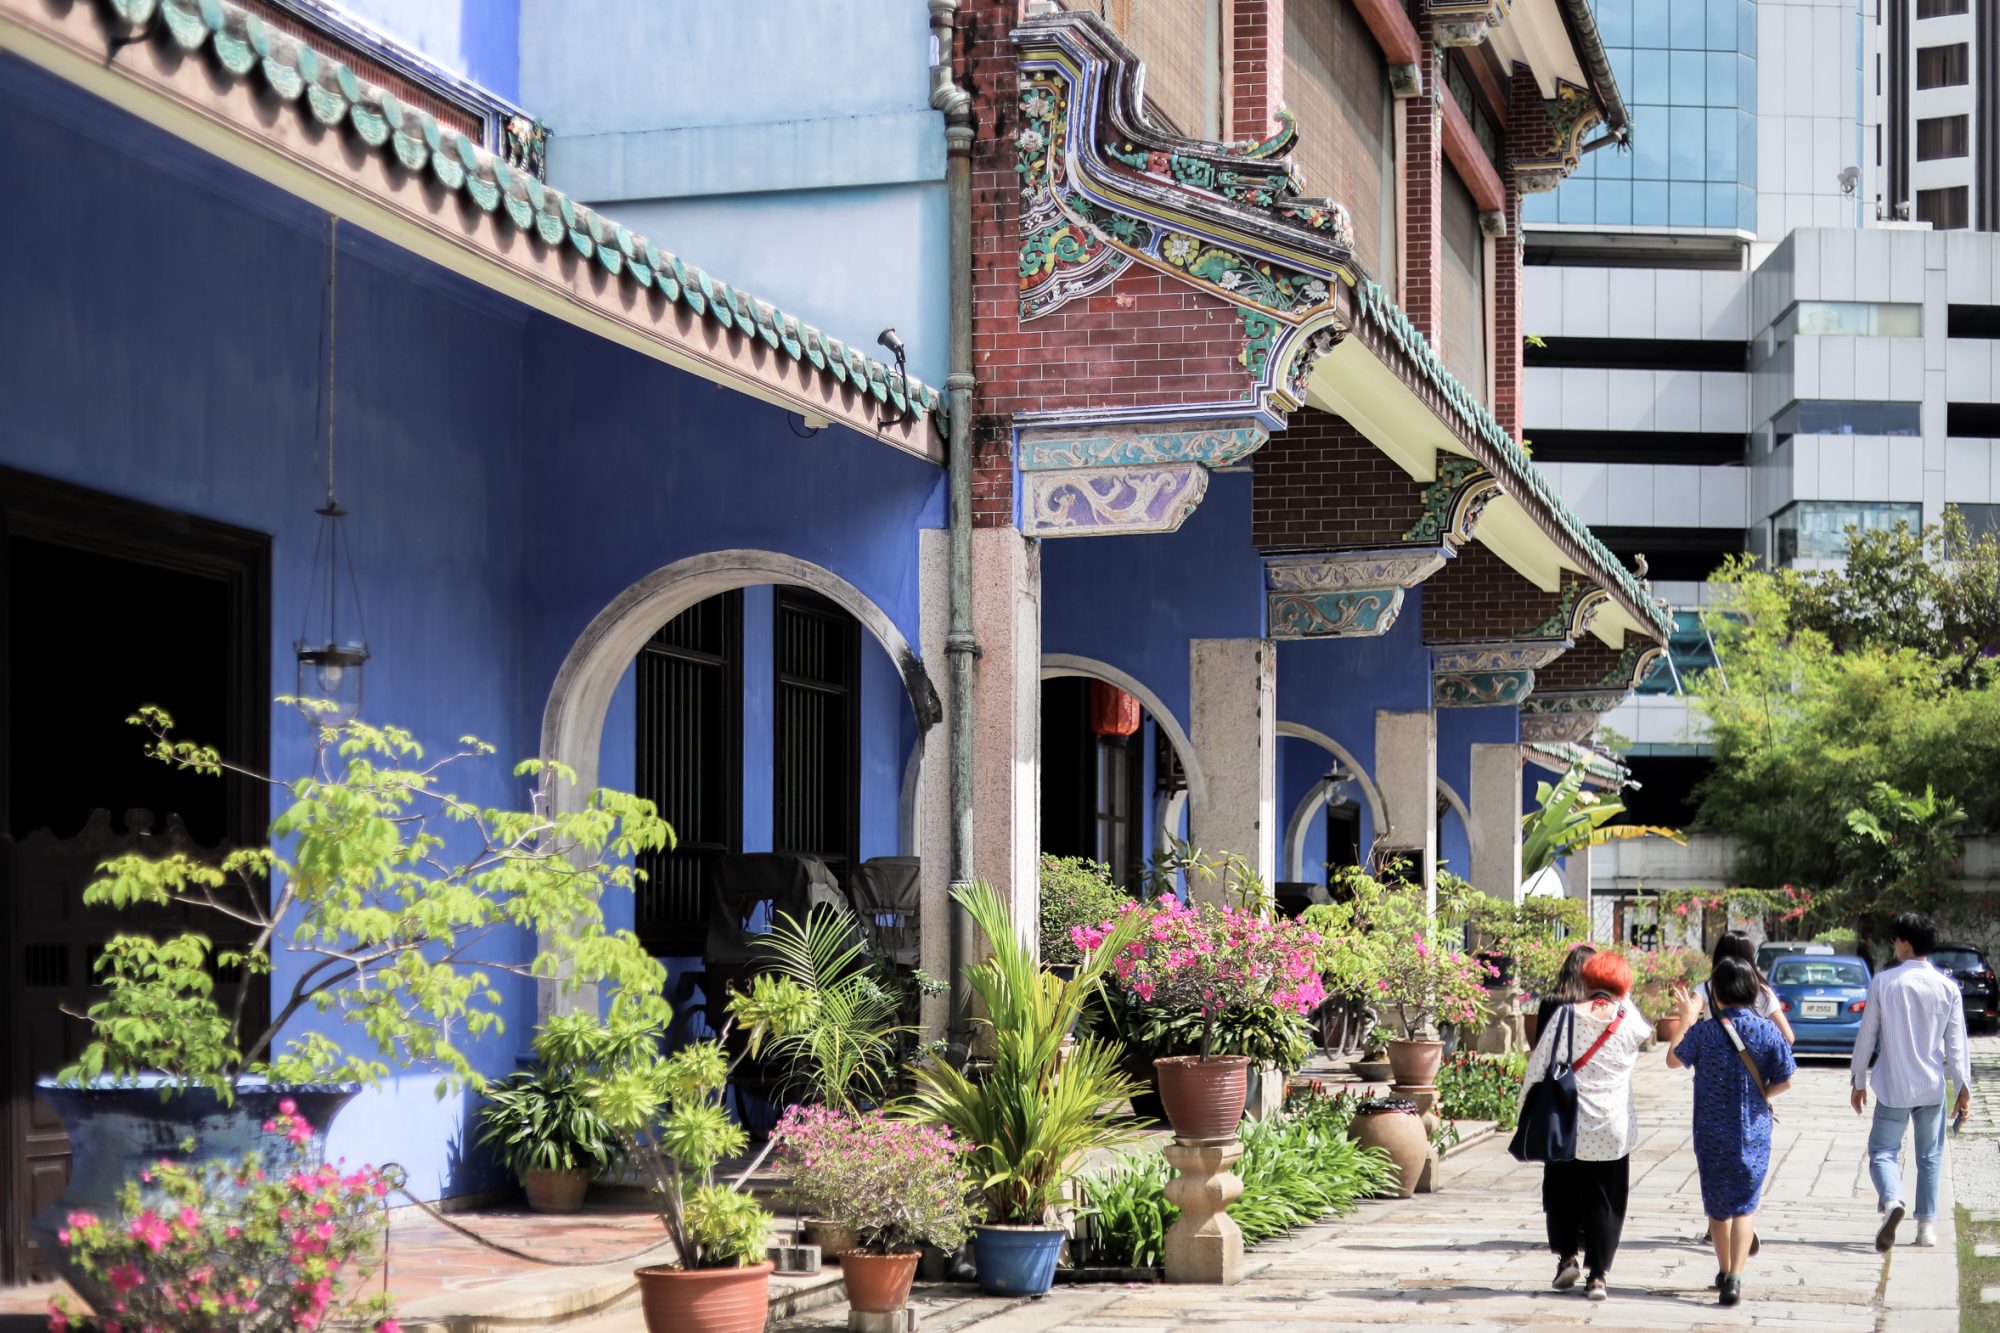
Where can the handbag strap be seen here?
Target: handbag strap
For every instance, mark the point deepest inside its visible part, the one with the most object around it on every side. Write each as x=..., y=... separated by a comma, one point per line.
x=1602, y=1037
x=1749, y=1063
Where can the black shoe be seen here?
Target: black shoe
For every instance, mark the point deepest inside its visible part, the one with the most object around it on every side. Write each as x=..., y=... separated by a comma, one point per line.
x=1567, y=1272
x=1717, y=1284
x=1732, y=1290
x=1596, y=1290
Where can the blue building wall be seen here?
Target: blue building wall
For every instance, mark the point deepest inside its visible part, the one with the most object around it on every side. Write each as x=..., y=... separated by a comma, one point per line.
x=1301, y=765
x=480, y=39
x=508, y=475
x=788, y=146
x=1459, y=729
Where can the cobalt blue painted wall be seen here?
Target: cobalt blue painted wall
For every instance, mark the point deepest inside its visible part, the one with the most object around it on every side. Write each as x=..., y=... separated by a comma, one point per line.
x=1134, y=602
x=1459, y=729
x=480, y=39
x=1301, y=764
x=508, y=476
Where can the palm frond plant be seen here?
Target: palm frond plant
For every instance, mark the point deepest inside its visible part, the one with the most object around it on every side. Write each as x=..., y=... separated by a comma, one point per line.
x=842, y=1052
x=542, y=1120
x=1569, y=818
x=1035, y=1111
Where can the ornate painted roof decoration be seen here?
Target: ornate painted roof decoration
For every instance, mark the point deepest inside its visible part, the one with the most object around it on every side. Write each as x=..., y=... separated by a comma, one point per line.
x=1482, y=675
x=1086, y=482
x=1571, y=113
x=1634, y=664
x=1577, y=606
x=1454, y=502
x=1599, y=768
x=1345, y=595
x=336, y=97
x=1567, y=715
x=1467, y=22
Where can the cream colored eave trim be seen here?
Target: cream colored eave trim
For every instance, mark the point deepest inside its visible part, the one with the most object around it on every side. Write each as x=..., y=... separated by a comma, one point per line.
x=1535, y=35
x=228, y=119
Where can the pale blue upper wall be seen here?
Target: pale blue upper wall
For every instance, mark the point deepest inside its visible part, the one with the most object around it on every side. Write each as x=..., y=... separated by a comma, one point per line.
x=786, y=146
x=477, y=38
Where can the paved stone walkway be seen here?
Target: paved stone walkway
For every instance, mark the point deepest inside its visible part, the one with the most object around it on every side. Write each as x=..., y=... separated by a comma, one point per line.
x=1472, y=1257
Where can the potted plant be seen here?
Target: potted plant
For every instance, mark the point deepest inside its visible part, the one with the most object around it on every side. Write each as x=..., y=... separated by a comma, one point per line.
x=1035, y=1111
x=1427, y=981
x=218, y=1248
x=1205, y=960
x=1373, y=1066
x=392, y=931
x=1076, y=891
x=667, y=1111
x=543, y=1127
x=899, y=1184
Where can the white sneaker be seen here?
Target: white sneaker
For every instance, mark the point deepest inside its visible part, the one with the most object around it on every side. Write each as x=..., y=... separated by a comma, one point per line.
x=1926, y=1234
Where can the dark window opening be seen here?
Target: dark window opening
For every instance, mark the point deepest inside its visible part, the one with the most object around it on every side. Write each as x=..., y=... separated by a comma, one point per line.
x=1972, y=321
x=816, y=808
x=1943, y=66
x=1665, y=792
x=1937, y=9
x=1675, y=555
x=688, y=761
x=1978, y=421
x=1942, y=137
x=1837, y=416
x=1636, y=446
x=1638, y=354
x=1094, y=801
x=1121, y=840
x=1948, y=209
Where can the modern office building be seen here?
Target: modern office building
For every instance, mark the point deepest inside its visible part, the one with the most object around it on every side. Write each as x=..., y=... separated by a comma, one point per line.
x=1733, y=348
x=1932, y=69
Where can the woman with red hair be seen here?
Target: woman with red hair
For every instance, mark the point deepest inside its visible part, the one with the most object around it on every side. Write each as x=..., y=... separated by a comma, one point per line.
x=1583, y=1199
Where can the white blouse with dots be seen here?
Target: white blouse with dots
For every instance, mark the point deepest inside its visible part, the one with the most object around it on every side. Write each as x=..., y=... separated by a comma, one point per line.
x=1607, y=1122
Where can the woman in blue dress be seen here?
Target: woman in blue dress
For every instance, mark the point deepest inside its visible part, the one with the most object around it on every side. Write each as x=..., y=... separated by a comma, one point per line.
x=1732, y=1119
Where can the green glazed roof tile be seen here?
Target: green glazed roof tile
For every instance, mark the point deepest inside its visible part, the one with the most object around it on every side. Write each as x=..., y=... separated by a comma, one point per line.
x=338, y=97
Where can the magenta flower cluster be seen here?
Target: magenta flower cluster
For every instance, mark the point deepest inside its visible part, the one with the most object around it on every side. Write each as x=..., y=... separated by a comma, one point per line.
x=236, y=1247
x=1209, y=958
x=899, y=1183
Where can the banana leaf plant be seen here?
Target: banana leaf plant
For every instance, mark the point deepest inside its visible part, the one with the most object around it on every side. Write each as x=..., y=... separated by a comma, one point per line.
x=1569, y=818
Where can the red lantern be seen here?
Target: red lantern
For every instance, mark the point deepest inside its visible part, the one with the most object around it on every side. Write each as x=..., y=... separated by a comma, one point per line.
x=1112, y=711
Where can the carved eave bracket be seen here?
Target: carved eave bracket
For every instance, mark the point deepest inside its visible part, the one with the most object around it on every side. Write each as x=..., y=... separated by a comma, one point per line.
x=1454, y=502
x=1576, y=610
x=1571, y=113
x=1482, y=675
x=1093, y=480
x=1103, y=188
x=1638, y=660
x=1343, y=594
x=1467, y=22
x=1566, y=716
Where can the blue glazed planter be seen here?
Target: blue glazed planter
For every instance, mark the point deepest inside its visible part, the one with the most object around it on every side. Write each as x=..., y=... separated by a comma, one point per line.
x=1016, y=1261
x=118, y=1130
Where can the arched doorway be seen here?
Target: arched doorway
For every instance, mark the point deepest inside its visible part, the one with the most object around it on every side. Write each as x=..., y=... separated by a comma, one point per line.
x=1111, y=794
x=1339, y=814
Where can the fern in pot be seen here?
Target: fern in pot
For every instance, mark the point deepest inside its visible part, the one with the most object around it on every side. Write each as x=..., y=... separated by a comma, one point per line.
x=542, y=1126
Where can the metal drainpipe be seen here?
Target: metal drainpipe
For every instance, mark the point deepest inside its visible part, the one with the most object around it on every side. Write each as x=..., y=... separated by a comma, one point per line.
x=959, y=645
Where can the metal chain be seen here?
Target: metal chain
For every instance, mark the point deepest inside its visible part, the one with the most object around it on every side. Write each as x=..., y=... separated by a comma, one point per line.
x=523, y=1255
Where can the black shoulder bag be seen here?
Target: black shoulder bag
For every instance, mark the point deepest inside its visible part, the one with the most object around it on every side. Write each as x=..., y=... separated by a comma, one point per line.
x=1547, y=1131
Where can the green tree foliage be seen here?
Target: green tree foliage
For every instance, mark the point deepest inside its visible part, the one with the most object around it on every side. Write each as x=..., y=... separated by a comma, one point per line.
x=1854, y=719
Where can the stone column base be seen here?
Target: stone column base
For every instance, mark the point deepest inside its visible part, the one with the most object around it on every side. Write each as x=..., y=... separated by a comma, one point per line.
x=1204, y=1244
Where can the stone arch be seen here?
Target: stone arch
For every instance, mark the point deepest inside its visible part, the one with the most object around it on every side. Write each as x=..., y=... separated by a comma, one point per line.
x=1464, y=812
x=573, y=720
x=1377, y=812
x=1168, y=813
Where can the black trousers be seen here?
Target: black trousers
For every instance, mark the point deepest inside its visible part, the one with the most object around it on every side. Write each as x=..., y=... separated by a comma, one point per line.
x=1585, y=1206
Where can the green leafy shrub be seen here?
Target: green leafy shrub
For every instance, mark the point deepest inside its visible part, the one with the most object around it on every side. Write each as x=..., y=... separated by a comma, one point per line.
x=1297, y=1168
x=1481, y=1087
x=542, y=1119
x=1076, y=891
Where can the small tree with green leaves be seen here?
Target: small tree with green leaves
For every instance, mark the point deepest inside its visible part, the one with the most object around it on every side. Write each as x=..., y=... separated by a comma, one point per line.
x=401, y=901
x=1568, y=818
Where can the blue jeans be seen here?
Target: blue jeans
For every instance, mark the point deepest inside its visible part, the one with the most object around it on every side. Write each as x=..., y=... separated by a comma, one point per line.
x=1885, y=1143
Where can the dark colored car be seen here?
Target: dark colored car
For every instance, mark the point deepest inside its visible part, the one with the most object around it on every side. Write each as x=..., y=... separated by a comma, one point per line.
x=1976, y=982
x=1824, y=996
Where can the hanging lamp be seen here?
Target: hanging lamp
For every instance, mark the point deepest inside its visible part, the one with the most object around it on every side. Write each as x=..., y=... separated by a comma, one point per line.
x=333, y=640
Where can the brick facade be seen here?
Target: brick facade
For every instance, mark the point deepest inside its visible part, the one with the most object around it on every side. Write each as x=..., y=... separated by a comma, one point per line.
x=1423, y=190
x=1581, y=668
x=1256, y=68
x=1319, y=485
x=1524, y=114
x=1477, y=595
x=1147, y=339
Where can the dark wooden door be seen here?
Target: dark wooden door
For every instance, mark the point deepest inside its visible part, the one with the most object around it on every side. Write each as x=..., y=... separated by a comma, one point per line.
x=106, y=605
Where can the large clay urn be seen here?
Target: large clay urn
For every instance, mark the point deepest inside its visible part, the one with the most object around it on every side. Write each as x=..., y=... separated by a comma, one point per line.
x=1393, y=1125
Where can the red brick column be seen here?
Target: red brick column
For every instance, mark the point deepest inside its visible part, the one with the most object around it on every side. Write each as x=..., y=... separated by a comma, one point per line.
x=1423, y=188
x=1525, y=119
x=1001, y=352
x=1256, y=68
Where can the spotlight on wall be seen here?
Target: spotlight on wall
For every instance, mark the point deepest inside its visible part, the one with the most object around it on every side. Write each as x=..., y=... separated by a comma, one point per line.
x=894, y=346
x=1849, y=177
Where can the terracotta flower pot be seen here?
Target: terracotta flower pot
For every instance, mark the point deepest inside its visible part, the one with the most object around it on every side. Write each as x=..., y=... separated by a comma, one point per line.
x=705, y=1300
x=1668, y=1029
x=555, y=1191
x=878, y=1283
x=1401, y=1135
x=1415, y=1063
x=1204, y=1098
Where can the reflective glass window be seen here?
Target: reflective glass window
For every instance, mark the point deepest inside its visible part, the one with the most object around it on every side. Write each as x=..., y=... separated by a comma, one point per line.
x=1817, y=529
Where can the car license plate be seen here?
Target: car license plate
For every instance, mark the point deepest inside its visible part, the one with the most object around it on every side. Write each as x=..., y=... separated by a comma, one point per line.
x=1819, y=1008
